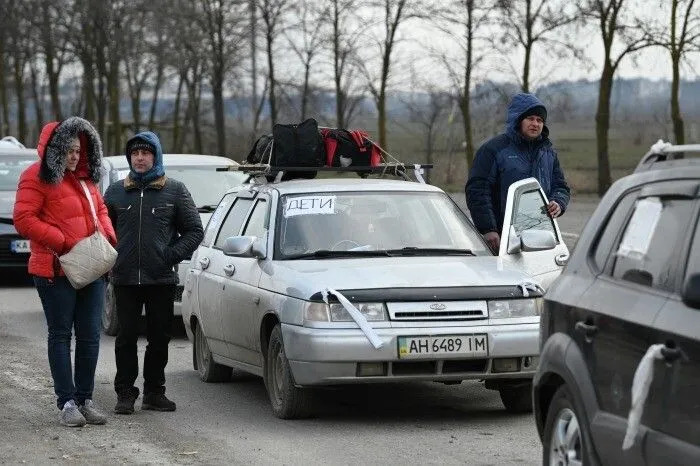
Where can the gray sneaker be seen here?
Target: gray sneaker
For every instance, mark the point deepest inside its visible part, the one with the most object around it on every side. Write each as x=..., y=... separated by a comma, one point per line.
x=71, y=416
x=92, y=414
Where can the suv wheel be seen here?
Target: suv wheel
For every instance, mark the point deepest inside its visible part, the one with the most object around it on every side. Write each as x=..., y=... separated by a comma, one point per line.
x=209, y=371
x=563, y=435
x=517, y=398
x=110, y=324
x=288, y=401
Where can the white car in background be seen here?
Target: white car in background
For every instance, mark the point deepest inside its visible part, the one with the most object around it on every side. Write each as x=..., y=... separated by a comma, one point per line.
x=205, y=176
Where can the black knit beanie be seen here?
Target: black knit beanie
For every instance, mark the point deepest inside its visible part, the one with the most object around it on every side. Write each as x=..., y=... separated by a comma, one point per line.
x=538, y=110
x=139, y=143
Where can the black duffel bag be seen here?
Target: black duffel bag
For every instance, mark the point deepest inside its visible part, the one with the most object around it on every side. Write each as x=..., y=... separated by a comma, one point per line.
x=298, y=145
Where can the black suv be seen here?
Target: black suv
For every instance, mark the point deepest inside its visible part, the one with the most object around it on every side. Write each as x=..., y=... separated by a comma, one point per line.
x=633, y=281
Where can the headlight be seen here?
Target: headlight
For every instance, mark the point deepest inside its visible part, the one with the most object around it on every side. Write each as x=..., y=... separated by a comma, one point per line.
x=515, y=308
x=372, y=311
x=316, y=312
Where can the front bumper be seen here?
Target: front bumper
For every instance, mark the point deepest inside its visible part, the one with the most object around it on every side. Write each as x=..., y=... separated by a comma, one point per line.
x=332, y=356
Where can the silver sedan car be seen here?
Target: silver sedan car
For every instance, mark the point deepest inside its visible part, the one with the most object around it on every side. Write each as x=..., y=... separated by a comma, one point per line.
x=342, y=281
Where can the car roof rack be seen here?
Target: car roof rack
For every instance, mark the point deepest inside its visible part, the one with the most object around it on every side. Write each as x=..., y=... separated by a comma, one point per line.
x=663, y=151
x=262, y=171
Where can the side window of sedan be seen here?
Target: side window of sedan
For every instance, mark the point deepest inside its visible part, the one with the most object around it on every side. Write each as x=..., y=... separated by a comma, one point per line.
x=615, y=222
x=257, y=222
x=530, y=213
x=215, y=220
x=234, y=221
x=648, y=253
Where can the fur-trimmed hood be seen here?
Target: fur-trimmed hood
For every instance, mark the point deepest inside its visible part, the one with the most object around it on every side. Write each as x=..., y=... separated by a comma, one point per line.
x=54, y=143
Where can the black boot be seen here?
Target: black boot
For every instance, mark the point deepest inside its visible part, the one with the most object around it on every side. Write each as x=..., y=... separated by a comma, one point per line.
x=126, y=400
x=157, y=402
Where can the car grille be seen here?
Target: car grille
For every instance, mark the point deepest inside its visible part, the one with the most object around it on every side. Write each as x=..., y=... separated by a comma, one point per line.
x=8, y=256
x=438, y=310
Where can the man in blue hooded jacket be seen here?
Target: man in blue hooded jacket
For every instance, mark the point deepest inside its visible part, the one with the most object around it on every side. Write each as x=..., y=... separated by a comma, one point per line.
x=157, y=226
x=523, y=151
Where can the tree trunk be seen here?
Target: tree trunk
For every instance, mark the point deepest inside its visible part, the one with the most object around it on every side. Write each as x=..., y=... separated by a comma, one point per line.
x=678, y=126
x=38, y=97
x=5, y=115
x=526, y=68
x=305, y=91
x=176, y=115
x=254, y=70
x=271, y=73
x=602, y=119
x=156, y=90
x=19, y=93
x=88, y=86
x=50, y=55
x=114, y=95
x=381, y=115
x=429, y=152
x=219, y=116
x=337, y=72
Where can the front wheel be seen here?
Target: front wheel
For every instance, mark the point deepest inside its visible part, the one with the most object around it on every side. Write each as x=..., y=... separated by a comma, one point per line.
x=110, y=324
x=563, y=439
x=288, y=401
x=517, y=398
x=209, y=371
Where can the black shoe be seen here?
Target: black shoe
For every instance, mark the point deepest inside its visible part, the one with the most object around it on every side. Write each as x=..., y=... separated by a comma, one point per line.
x=126, y=400
x=157, y=402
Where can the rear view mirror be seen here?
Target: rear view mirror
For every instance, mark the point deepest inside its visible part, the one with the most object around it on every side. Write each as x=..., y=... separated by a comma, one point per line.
x=691, y=291
x=243, y=246
x=537, y=240
x=530, y=240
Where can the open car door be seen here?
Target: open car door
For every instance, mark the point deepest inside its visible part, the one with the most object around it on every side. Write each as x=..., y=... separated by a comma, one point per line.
x=531, y=239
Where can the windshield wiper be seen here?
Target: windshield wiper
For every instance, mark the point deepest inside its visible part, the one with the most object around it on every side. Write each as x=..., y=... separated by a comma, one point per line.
x=416, y=251
x=207, y=208
x=326, y=254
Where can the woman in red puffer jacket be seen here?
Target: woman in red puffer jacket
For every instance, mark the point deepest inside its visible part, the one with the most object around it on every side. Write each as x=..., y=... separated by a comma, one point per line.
x=53, y=212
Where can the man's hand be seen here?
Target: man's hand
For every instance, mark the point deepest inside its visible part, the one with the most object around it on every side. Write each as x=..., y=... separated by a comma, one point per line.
x=493, y=239
x=553, y=209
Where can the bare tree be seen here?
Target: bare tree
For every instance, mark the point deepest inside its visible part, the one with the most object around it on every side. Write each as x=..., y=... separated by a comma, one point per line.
x=614, y=21
x=427, y=109
x=221, y=23
x=465, y=29
x=529, y=22
x=394, y=13
x=271, y=12
x=305, y=38
x=344, y=40
x=681, y=36
x=139, y=66
x=53, y=27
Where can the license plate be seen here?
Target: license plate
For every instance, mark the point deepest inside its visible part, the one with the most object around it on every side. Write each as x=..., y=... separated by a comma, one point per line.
x=19, y=246
x=443, y=345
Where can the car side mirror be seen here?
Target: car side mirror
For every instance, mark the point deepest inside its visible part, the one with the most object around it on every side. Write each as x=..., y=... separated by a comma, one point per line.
x=691, y=291
x=239, y=246
x=537, y=240
x=514, y=244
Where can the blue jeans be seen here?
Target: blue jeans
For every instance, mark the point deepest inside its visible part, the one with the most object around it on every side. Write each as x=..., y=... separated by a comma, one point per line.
x=66, y=309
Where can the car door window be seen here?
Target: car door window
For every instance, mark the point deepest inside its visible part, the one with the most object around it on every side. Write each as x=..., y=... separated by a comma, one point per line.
x=617, y=220
x=256, y=223
x=215, y=219
x=530, y=213
x=648, y=251
x=234, y=221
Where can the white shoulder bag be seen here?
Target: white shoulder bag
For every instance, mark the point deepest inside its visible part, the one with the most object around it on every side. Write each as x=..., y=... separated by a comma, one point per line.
x=91, y=257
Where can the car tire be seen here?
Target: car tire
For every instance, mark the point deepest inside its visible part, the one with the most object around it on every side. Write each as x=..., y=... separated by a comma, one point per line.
x=564, y=437
x=110, y=323
x=288, y=401
x=517, y=399
x=209, y=371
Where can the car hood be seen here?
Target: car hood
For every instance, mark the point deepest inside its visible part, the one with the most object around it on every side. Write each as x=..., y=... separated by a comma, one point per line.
x=304, y=278
x=7, y=203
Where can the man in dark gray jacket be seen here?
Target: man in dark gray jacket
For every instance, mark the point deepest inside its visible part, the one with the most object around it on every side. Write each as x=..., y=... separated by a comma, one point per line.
x=157, y=226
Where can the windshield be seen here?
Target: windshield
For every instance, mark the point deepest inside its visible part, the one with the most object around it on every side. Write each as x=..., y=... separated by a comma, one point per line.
x=206, y=185
x=313, y=224
x=10, y=170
